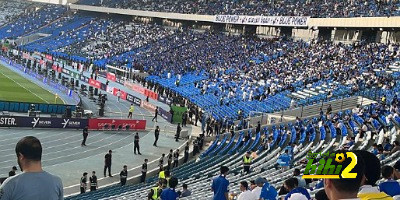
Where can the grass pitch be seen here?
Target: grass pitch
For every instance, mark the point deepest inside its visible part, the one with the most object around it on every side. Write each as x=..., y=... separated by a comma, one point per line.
x=14, y=87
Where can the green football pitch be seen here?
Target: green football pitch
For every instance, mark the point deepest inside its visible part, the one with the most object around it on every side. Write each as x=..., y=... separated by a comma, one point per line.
x=14, y=87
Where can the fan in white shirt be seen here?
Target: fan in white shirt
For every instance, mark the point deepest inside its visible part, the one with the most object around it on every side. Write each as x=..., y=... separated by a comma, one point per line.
x=246, y=193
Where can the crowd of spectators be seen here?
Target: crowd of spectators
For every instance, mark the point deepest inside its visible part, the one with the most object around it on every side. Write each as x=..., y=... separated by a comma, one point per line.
x=32, y=21
x=9, y=10
x=119, y=37
x=320, y=8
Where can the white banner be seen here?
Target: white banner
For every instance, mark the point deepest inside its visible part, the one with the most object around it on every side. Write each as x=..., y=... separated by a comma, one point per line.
x=263, y=20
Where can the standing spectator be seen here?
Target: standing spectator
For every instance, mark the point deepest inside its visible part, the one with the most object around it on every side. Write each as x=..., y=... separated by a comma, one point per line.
x=170, y=193
x=12, y=172
x=220, y=185
x=123, y=175
x=390, y=186
x=107, y=163
x=185, y=192
x=155, y=114
x=84, y=182
x=131, y=109
x=176, y=158
x=186, y=153
x=178, y=132
x=246, y=193
x=93, y=182
x=118, y=95
x=144, y=171
x=85, y=135
x=329, y=109
x=247, y=162
x=136, y=144
x=29, y=156
x=259, y=184
x=156, y=135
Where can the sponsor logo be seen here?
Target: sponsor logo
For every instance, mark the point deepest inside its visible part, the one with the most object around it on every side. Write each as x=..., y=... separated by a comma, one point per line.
x=137, y=101
x=36, y=122
x=8, y=121
x=325, y=169
x=130, y=98
x=71, y=123
x=65, y=123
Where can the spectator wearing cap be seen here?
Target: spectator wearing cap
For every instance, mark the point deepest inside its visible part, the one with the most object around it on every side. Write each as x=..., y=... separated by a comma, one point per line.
x=295, y=192
x=257, y=190
x=220, y=185
x=368, y=189
x=12, y=172
x=390, y=186
x=264, y=191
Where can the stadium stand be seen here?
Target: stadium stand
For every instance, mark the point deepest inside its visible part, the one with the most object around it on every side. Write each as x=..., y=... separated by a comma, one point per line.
x=31, y=21
x=267, y=8
x=322, y=134
x=12, y=9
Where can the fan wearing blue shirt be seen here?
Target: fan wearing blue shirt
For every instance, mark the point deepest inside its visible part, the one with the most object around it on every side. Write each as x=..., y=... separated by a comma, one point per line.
x=390, y=186
x=170, y=193
x=220, y=185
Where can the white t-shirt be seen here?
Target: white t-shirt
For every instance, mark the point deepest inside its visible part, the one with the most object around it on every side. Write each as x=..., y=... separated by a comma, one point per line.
x=257, y=192
x=247, y=195
x=297, y=196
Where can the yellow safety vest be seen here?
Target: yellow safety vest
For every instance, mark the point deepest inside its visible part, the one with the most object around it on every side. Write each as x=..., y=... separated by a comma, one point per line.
x=131, y=109
x=161, y=175
x=155, y=193
x=374, y=196
x=246, y=160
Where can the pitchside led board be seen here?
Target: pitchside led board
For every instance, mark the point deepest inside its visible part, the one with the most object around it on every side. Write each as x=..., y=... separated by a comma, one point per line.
x=324, y=168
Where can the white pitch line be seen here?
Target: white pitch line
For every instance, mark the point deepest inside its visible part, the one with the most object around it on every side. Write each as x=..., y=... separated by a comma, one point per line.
x=62, y=150
x=41, y=139
x=24, y=86
x=49, y=142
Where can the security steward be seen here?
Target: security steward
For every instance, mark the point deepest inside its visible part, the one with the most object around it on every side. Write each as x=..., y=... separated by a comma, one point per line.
x=161, y=175
x=155, y=192
x=156, y=135
x=170, y=156
x=85, y=134
x=131, y=109
x=93, y=181
x=247, y=162
x=136, y=144
x=83, y=183
x=144, y=171
x=123, y=175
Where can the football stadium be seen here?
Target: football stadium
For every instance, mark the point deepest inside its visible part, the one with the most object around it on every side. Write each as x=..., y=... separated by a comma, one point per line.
x=199, y=99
